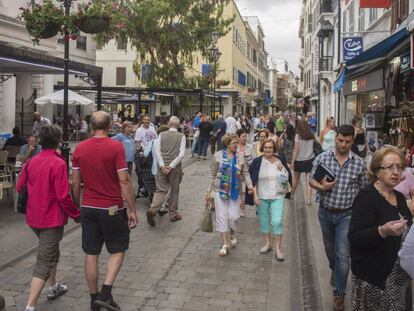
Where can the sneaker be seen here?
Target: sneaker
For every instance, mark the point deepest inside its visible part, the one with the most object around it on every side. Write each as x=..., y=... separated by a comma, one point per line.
x=242, y=214
x=191, y=156
x=56, y=291
x=107, y=303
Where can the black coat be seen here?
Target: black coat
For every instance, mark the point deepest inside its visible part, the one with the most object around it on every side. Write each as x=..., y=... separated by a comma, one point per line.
x=254, y=170
x=373, y=257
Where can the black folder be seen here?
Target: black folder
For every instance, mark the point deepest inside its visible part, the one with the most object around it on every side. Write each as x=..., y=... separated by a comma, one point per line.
x=322, y=171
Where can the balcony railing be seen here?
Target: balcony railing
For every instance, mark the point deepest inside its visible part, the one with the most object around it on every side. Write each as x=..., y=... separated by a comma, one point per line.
x=326, y=63
x=326, y=6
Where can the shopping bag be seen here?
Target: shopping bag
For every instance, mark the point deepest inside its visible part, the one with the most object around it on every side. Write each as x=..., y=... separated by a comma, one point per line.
x=206, y=221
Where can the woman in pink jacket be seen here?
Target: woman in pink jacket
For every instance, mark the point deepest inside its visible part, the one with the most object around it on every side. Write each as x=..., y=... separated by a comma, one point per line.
x=48, y=207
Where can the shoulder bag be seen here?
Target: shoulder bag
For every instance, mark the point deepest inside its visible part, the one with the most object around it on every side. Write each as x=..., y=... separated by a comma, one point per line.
x=23, y=195
x=317, y=148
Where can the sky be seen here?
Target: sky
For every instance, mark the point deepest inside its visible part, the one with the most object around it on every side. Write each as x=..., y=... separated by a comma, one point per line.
x=280, y=22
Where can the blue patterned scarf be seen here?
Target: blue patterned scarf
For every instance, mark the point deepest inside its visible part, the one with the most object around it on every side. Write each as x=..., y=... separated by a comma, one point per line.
x=230, y=178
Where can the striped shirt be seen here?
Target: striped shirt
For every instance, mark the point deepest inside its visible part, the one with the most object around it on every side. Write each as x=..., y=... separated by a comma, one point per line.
x=350, y=178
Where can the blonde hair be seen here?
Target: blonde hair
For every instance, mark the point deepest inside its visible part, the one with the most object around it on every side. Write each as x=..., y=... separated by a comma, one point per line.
x=377, y=159
x=227, y=138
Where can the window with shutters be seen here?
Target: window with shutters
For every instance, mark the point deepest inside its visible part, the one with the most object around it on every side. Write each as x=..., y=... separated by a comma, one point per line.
x=120, y=75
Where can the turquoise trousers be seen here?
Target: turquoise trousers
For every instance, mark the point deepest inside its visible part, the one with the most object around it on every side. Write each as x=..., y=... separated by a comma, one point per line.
x=271, y=213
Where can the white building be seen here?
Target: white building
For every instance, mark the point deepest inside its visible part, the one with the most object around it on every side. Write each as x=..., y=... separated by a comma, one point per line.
x=29, y=63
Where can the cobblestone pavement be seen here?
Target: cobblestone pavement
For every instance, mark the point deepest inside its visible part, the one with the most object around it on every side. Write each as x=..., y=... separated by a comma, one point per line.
x=174, y=266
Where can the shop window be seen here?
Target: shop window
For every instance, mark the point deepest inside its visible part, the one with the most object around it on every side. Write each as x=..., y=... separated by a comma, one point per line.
x=120, y=75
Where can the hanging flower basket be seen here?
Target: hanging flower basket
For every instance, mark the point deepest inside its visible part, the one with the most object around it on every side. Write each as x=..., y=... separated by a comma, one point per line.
x=49, y=30
x=43, y=20
x=93, y=24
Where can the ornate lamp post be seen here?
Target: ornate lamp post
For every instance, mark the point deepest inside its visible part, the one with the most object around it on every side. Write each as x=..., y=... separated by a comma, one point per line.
x=214, y=56
x=65, y=147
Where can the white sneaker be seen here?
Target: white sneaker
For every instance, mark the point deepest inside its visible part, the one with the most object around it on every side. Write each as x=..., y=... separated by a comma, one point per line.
x=191, y=156
x=56, y=291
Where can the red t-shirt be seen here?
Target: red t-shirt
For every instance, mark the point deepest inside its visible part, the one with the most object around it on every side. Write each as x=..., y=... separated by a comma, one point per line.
x=99, y=161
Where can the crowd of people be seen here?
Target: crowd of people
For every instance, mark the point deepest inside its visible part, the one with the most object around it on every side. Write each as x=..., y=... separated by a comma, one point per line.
x=256, y=161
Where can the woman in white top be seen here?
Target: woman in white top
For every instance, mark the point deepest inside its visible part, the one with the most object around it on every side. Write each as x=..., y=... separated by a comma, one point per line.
x=328, y=135
x=271, y=179
x=303, y=156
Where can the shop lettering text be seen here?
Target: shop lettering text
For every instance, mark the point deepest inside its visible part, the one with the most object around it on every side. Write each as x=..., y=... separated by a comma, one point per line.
x=359, y=85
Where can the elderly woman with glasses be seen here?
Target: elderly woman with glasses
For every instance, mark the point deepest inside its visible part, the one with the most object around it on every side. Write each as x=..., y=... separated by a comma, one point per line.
x=272, y=180
x=379, y=223
x=227, y=173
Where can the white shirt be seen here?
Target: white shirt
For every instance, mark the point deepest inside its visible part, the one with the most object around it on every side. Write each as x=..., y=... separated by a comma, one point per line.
x=84, y=127
x=231, y=125
x=145, y=136
x=177, y=160
x=272, y=184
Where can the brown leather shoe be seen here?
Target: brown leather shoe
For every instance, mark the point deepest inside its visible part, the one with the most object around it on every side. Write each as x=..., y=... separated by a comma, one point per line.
x=150, y=218
x=338, y=303
x=175, y=217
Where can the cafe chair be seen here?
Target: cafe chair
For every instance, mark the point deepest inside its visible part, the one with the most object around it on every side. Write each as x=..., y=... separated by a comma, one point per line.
x=6, y=182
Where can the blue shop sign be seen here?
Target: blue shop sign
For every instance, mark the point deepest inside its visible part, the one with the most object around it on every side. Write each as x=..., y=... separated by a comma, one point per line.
x=405, y=63
x=352, y=47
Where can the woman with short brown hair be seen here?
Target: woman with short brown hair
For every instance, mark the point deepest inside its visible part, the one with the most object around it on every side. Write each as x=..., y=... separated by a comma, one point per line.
x=379, y=223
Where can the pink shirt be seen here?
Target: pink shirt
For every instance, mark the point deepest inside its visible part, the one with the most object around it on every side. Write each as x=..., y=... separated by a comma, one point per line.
x=49, y=204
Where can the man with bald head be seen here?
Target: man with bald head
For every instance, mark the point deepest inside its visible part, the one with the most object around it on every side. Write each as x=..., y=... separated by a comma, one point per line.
x=39, y=122
x=100, y=163
x=170, y=150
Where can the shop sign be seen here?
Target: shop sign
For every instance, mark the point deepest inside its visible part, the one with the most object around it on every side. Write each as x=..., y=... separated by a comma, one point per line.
x=352, y=47
x=369, y=82
x=405, y=62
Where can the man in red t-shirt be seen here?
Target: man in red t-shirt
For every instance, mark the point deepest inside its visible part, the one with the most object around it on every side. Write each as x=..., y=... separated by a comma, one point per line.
x=99, y=162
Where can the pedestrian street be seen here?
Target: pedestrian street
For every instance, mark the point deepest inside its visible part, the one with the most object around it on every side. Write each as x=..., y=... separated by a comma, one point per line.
x=174, y=266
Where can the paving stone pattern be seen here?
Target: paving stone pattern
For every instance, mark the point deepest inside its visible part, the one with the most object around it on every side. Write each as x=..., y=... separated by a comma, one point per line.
x=173, y=266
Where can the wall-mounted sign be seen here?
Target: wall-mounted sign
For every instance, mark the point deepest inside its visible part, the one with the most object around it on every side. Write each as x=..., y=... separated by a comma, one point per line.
x=374, y=4
x=369, y=82
x=352, y=47
x=405, y=62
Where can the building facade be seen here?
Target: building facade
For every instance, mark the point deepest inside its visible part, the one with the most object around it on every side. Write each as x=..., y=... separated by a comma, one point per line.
x=17, y=92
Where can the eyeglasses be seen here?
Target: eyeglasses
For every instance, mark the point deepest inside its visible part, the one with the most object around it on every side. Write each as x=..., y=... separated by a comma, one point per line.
x=390, y=168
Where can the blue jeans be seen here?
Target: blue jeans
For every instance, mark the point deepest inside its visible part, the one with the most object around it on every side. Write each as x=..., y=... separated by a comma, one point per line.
x=202, y=146
x=334, y=227
x=194, y=146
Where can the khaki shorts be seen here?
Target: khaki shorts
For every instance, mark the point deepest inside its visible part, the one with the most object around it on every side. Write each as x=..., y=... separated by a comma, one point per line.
x=48, y=251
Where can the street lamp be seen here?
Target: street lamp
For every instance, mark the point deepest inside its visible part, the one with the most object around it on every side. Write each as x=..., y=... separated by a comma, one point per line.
x=65, y=146
x=214, y=37
x=215, y=55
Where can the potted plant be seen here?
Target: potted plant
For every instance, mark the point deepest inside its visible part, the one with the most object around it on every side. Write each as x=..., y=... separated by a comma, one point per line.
x=43, y=21
x=95, y=17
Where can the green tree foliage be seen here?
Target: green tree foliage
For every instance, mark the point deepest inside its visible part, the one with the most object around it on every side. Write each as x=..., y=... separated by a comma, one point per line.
x=167, y=34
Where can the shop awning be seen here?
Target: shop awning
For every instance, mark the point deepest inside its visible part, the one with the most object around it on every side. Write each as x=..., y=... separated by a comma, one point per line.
x=380, y=50
x=30, y=61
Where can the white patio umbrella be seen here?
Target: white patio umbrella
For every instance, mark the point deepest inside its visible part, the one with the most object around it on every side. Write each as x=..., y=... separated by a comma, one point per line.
x=57, y=99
